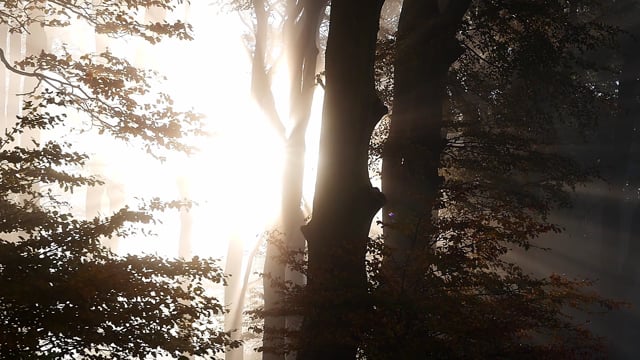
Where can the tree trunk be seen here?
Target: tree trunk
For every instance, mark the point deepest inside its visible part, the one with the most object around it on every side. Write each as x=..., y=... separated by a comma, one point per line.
x=233, y=296
x=4, y=74
x=345, y=202
x=186, y=220
x=426, y=48
x=301, y=32
x=619, y=143
x=274, y=324
x=13, y=84
x=630, y=106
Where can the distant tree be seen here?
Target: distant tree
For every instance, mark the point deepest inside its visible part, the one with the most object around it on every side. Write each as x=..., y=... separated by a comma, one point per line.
x=284, y=33
x=62, y=293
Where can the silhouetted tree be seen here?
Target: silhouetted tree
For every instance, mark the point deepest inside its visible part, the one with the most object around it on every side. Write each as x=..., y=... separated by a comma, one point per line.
x=344, y=202
x=62, y=293
x=475, y=175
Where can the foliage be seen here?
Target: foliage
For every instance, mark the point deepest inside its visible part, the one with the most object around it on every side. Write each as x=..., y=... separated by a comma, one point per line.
x=112, y=17
x=117, y=96
x=504, y=170
x=62, y=293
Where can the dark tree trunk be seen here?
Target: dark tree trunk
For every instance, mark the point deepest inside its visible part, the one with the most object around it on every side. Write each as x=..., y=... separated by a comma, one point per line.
x=630, y=106
x=619, y=143
x=345, y=202
x=426, y=48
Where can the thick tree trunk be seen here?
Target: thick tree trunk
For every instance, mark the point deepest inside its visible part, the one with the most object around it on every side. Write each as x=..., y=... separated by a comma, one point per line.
x=345, y=201
x=630, y=106
x=426, y=48
x=620, y=163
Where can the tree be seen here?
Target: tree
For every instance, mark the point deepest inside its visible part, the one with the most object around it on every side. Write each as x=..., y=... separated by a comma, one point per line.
x=64, y=294
x=450, y=235
x=411, y=161
x=344, y=201
x=490, y=183
x=294, y=26
x=301, y=28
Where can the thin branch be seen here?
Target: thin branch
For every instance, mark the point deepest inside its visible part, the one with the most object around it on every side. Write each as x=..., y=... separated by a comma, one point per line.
x=479, y=56
x=18, y=71
x=260, y=82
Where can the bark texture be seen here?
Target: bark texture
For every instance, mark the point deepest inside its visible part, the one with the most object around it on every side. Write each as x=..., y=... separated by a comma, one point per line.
x=345, y=202
x=426, y=48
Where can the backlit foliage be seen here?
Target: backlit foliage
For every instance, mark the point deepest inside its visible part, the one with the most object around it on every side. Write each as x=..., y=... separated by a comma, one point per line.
x=62, y=293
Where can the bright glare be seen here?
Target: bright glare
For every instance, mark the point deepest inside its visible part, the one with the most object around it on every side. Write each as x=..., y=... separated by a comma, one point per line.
x=235, y=178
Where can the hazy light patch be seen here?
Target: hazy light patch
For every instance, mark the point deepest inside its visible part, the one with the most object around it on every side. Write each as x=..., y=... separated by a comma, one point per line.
x=235, y=176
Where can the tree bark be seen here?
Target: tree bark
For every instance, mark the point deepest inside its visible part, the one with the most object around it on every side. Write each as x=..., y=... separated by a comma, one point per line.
x=630, y=106
x=301, y=36
x=426, y=48
x=345, y=202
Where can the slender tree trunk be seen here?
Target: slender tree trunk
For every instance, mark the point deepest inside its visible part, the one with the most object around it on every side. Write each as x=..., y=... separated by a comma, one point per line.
x=301, y=37
x=274, y=323
x=13, y=85
x=345, y=202
x=232, y=296
x=4, y=76
x=426, y=48
x=186, y=220
x=303, y=64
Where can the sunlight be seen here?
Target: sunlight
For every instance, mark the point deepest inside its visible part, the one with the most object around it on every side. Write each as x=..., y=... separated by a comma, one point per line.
x=236, y=175
x=235, y=178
